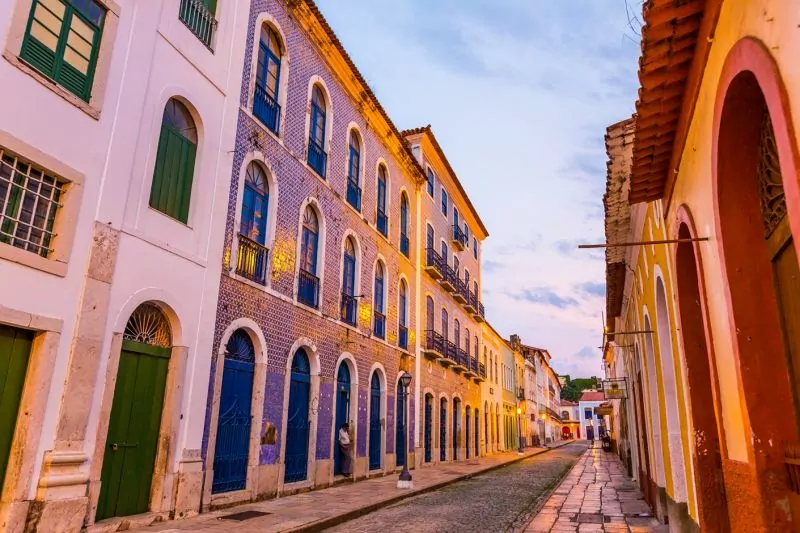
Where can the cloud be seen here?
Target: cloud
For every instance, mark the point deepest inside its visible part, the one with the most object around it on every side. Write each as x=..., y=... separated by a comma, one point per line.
x=546, y=296
x=592, y=288
x=490, y=266
x=587, y=352
x=569, y=248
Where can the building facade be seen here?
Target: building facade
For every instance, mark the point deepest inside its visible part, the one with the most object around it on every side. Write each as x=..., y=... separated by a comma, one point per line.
x=111, y=234
x=493, y=388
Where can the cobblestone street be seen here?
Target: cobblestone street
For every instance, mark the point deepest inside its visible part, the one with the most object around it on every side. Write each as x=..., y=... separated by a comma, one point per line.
x=502, y=500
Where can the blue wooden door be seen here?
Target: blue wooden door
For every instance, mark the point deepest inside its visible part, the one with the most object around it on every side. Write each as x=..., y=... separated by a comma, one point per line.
x=443, y=430
x=400, y=429
x=233, y=428
x=298, y=424
x=428, y=429
x=342, y=412
x=456, y=427
x=375, y=423
x=466, y=430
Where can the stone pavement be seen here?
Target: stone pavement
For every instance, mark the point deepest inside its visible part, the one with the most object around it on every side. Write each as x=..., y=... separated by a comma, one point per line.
x=324, y=508
x=596, y=495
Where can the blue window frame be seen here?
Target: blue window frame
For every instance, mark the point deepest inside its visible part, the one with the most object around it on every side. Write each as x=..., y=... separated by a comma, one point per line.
x=444, y=202
x=445, y=254
x=382, y=220
x=349, y=282
x=268, y=74
x=431, y=180
x=404, y=244
x=475, y=247
x=455, y=217
x=255, y=202
x=308, y=283
x=429, y=237
x=380, y=312
x=317, y=158
x=354, y=172
x=403, y=303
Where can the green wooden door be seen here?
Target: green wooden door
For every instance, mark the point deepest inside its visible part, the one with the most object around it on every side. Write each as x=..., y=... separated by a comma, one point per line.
x=132, y=440
x=15, y=349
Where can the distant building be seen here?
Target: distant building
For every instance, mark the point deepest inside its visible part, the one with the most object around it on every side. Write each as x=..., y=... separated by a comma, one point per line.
x=591, y=422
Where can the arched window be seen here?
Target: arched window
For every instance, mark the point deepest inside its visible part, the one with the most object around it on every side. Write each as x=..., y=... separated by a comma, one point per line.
x=475, y=248
x=382, y=220
x=317, y=158
x=268, y=74
x=475, y=288
x=379, y=295
x=171, y=190
x=429, y=318
x=251, y=256
x=354, y=172
x=565, y=415
x=403, y=315
x=431, y=179
x=429, y=237
x=466, y=278
x=308, y=284
x=444, y=324
x=476, y=348
x=404, y=245
x=349, y=303
x=457, y=333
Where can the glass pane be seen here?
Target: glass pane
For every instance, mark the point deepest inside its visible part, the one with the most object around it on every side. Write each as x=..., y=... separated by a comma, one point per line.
x=272, y=77
x=317, y=98
x=44, y=35
x=91, y=10
x=178, y=117
x=274, y=43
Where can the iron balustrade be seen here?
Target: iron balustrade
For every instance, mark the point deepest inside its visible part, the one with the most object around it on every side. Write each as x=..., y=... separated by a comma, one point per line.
x=551, y=389
x=404, y=245
x=198, y=18
x=266, y=109
x=461, y=293
x=459, y=237
x=382, y=222
x=473, y=364
x=434, y=261
x=353, y=194
x=380, y=325
x=481, y=312
x=308, y=289
x=402, y=337
x=452, y=351
x=349, y=309
x=482, y=370
x=317, y=158
x=448, y=277
x=434, y=342
x=251, y=260
x=463, y=358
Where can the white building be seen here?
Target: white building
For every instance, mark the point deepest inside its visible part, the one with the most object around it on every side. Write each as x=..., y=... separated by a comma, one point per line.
x=589, y=420
x=117, y=124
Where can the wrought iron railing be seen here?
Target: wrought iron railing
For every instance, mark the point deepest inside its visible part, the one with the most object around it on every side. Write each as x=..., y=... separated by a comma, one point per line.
x=473, y=364
x=448, y=275
x=435, y=342
x=463, y=358
x=459, y=237
x=451, y=351
x=402, y=337
x=353, y=193
x=379, y=328
x=481, y=311
x=482, y=370
x=461, y=289
x=404, y=247
x=433, y=260
x=349, y=309
x=251, y=260
x=198, y=18
x=266, y=109
x=308, y=289
x=317, y=157
x=382, y=222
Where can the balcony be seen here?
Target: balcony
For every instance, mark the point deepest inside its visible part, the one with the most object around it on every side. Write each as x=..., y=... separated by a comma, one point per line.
x=551, y=389
x=449, y=278
x=317, y=158
x=198, y=18
x=434, y=346
x=460, y=294
x=402, y=337
x=251, y=260
x=461, y=361
x=459, y=239
x=451, y=354
x=349, y=311
x=382, y=223
x=379, y=328
x=404, y=245
x=433, y=264
x=480, y=316
x=266, y=109
x=471, y=303
x=472, y=369
x=521, y=393
x=354, y=194
x=308, y=289
x=481, y=373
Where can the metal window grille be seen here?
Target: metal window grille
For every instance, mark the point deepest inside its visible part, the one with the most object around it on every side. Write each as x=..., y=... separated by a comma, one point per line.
x=29, y=201
x=200, y=19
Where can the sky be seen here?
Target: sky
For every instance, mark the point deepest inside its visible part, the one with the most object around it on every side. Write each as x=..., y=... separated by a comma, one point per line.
x=519, y=94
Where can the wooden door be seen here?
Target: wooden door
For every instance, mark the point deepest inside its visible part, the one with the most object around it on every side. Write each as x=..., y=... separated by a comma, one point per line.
x=130, y=451
x=399, y=434
x=298, y=426
x=15, y=350
x=375, y=424
x=428, y=437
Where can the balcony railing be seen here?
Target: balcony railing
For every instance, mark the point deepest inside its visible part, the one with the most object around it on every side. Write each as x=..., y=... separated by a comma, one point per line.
x=461, y=293
x=349, y=309
x=462, y=359
x=482, y=370
x=379, y=327
x=434, y=344
x=402, y=337
x=459, y=238
x=449, y=278
x=404, y=247
x=266, y=109
x=317, y=157
x=451, y=353
x=382, y=222
x=471, y=303
x=433, y=263
x=480, y=315
x=353, y=194
x=308, y=289
x=473, y=364
x=198, y=18
x=251, y=260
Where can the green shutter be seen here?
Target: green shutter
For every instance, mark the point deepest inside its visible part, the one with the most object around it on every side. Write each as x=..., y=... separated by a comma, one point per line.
x=211, y=5
x=15, y=349
x=172, y=178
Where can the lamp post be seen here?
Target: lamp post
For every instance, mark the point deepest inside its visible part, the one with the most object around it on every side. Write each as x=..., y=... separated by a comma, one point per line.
x=519, y=428
x=405, y=482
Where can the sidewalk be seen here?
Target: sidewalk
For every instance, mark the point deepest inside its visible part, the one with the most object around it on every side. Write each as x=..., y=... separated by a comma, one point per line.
x=596, y=495
x=324, y=508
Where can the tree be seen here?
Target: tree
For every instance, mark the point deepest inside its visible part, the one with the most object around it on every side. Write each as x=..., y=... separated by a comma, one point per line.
x=574, y=388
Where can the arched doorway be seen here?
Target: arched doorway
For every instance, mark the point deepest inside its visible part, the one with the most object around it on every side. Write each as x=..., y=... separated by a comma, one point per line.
x=652, y=397
x=399, y=433
x=232, y=448
x=132, y=441
x=298, y=425
x=456, y=427
x=375, y=422
x=645, y=473
x=342, y=411
x=701, y=384
x=467, y=434
x=477, y=434
x=443, y=429
x=428, y=428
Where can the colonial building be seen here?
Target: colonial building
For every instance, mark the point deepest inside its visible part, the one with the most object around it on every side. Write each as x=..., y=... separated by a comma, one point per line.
x=113, y=153
x=570, y=420
x=492, y=392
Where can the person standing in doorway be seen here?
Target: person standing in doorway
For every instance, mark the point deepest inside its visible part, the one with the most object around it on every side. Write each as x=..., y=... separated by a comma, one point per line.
x=344, y=449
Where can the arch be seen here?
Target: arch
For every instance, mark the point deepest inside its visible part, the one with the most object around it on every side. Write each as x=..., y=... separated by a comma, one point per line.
x=755, y=150
x=427, y=425
x=376, y=414
x=653, y=400
x=298, y=428
x=273, y=118
x=346, y=410
x=310, y=254
x=351, y=278
x=383, y=198
x=403, y=305
x=355, y=139
x=319, y=126
x=646, y=476
x=443, y=427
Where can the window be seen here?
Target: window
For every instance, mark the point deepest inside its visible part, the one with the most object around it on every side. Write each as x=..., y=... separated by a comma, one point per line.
x=431, y=179
x=354, y=172
x=268, y=74
x=444, y=202
x=174, y=170
x=429, y=237
x=429, y=318
x=198, y=15
x=475, y=248
x=455, y=217
x=445, y=255
x=380, y=312
x=404, y=244
x=456, y=264
x=251, y=259
x=62, y=42
x=466, y=279
x=457, y=333
x=308, y=283
x=587, y=414
x=466, y=234
x=29, y=201
x=317, y=158
x=349, y=303
x=444, y=323
x=565, y=415
x=382, y=220
x=466, y=340
x=402, y=339
x=475, y=288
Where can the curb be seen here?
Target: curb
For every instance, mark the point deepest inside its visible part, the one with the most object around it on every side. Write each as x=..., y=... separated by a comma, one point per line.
x=325, y=523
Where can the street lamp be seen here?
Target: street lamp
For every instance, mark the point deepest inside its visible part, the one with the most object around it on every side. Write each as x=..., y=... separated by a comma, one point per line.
x=519, y=428
x=405, y=482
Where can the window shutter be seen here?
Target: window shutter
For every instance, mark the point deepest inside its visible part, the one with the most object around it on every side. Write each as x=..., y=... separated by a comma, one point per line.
x=172, y=178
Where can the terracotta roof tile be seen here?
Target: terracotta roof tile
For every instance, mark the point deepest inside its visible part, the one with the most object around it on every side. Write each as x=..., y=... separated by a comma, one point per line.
x=592, y=396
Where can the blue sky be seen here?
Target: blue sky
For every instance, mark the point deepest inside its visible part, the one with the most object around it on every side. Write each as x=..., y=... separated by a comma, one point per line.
x=519, y=93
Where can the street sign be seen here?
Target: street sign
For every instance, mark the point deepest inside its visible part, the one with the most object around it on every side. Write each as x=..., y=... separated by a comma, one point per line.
x=615, y=388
